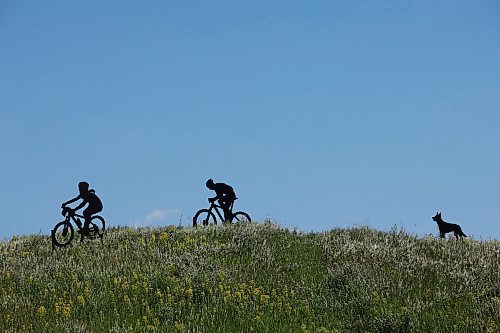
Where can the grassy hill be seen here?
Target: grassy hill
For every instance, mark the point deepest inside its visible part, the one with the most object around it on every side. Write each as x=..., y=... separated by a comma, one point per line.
x=250, y=278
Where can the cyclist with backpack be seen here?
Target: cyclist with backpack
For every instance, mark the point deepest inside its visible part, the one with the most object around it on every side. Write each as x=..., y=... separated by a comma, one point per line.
x=89, y=197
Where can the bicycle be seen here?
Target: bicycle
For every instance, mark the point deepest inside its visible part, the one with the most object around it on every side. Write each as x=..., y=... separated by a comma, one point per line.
x=63, y=232
x=206, y=216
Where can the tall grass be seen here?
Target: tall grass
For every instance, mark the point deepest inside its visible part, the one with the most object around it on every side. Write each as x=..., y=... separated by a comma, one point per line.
x=250, y=278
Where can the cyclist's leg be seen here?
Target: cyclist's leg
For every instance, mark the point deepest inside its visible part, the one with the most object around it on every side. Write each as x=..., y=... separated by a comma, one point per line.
x=87, y=214
x=226, y=206
x=223, y=204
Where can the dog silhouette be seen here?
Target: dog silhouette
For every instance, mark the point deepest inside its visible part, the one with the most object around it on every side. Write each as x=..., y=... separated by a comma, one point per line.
x=445, y=227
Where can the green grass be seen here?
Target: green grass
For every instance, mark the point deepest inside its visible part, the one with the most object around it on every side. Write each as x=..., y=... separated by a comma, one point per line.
x=250, y=278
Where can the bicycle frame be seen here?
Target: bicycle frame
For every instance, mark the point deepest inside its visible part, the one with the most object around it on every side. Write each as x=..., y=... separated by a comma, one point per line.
x=215, y=206
x=59, y=234
x=73, y=217
x=206, y=216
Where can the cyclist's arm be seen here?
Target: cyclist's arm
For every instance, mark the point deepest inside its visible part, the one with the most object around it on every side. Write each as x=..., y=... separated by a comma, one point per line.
x=70, y=201
x=80, y=205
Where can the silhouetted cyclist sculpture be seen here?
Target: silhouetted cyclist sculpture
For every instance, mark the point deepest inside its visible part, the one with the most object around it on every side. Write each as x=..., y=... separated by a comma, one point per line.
x=94, y=225
x=225, y=196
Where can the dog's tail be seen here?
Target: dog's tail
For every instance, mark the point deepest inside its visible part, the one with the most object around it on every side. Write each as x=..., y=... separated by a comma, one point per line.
x=461, y=233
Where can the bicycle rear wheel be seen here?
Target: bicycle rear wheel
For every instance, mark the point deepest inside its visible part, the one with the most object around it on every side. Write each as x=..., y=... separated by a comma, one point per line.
x=62, y=234
x=241, y=217
x=96, y=227
x=204, y=217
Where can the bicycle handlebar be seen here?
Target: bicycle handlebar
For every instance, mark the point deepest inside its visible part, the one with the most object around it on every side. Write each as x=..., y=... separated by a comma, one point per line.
x=213, y=204
x=70, y=212
x=65, y=211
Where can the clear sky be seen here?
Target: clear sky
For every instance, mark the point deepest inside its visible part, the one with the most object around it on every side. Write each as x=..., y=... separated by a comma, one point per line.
x=320, y=114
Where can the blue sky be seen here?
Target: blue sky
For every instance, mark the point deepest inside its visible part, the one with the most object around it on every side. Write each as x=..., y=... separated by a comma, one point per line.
x=320, y=114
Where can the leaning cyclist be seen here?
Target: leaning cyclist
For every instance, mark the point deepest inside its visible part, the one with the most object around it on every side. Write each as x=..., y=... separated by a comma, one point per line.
x=226, y=196
x=89, y=197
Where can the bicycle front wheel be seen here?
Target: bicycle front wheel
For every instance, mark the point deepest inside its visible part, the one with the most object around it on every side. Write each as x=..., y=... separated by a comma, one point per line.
x=63, y=234
x=204, y=217
x=97, y=226
x=241, y=217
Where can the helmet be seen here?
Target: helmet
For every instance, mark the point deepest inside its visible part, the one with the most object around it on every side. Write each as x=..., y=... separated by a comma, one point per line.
x=83, y=185
x=209, y=183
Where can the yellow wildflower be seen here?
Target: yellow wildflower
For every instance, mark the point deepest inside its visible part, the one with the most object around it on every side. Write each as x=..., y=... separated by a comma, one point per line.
x=67, y=309
x=491, y=326
x=42, y=311
x=80, y=299
x=179, y=326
